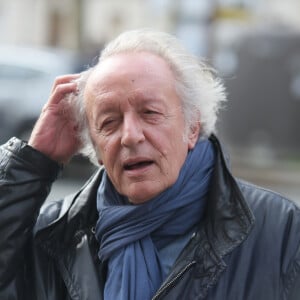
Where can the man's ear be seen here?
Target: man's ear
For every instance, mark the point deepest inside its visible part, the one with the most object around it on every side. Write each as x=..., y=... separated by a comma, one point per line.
x=193, y=135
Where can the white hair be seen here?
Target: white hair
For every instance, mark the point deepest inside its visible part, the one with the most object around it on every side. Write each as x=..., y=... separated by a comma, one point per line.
x=200, y=91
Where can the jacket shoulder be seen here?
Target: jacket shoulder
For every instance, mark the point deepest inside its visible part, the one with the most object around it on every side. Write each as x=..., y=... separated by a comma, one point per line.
x=77, y=204
x=273, y=213
x=276, y=229
x=262, y=200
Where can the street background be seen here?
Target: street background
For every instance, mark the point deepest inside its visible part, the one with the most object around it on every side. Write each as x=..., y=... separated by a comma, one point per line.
x=253, y=44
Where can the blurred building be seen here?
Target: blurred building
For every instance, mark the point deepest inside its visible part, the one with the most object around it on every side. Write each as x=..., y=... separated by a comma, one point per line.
x=68, y=23
x=77, y=24
x=82, y=24
x=257, y=53
x=263, y=83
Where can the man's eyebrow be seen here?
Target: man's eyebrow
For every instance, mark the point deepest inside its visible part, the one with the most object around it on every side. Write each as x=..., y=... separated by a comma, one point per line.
x=149, y=97
x=105, y=105
x=108, y=107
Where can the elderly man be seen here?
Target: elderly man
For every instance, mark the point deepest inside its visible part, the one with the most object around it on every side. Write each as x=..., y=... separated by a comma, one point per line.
x=163, y=217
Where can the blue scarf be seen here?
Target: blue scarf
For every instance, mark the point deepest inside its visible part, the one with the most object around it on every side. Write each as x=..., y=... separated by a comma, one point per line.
x=130, y=236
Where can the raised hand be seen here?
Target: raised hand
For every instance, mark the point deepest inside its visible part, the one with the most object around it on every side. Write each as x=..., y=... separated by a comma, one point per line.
x=55, y=133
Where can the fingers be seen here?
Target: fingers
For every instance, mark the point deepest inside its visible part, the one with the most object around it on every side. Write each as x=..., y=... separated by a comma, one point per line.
x=63, y=85
x=61, y=91
x=64, y=79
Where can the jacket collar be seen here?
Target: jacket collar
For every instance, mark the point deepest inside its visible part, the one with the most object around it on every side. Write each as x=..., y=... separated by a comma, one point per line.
x=229, y=218
x=227, y=223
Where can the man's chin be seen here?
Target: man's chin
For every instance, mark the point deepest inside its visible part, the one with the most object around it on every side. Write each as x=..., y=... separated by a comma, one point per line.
x=142, y=190
x=139, y=193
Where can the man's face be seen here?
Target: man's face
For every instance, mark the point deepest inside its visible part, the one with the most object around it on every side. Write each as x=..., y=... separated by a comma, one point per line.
x=137, y=124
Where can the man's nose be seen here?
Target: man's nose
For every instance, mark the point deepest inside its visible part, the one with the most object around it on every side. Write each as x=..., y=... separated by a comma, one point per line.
x=132, y=132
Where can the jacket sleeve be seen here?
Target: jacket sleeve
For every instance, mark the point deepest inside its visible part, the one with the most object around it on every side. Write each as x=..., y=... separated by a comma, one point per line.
x=293, y=278
x=26, y=176
x=294, y=291
x=291, y=255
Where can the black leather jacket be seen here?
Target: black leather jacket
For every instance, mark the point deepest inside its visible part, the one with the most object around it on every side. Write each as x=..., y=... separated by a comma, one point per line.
x=247, y=246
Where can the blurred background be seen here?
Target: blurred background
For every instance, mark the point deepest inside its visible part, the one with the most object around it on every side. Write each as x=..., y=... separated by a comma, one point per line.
x=253, y=44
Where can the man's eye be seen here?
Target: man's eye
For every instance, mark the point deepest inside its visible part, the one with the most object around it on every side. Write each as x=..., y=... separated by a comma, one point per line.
x=150, y=112
x=153, y=116
x=107, y=125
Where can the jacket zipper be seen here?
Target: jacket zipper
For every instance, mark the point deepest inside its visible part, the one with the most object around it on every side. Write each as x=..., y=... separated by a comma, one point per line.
x=165, y=287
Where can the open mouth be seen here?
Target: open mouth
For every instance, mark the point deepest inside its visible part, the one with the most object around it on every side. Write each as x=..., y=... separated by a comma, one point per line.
x=138, y=165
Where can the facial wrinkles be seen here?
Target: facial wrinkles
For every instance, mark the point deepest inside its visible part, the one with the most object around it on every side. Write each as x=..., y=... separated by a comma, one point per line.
x=143, y=149
x=138, y=100
x=121, y=86
x=168, y=116
x=109, y=89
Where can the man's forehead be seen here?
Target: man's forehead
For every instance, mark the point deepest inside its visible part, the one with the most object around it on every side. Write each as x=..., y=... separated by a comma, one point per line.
x=132, y=62
x=118, y=70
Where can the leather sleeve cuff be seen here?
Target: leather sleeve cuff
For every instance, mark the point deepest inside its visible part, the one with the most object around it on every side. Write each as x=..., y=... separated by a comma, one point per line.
x=16, y=149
